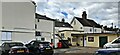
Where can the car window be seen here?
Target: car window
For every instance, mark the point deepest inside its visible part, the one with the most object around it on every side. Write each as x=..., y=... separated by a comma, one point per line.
x=117, y=41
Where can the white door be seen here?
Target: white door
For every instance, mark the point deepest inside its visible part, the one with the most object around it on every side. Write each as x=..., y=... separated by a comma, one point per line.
x=85, y=41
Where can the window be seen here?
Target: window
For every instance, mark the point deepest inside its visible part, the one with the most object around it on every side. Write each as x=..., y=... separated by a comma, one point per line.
x=90, y=39
x=117, y=41
x=6, y=36
x=42, y=39
x=74, y=22
x=35, y=26
x=90, y=30
x=74, y=39
x=80, y=27
x=62, y=35
x=95, y=30
x=38, y=20
x=37, y=33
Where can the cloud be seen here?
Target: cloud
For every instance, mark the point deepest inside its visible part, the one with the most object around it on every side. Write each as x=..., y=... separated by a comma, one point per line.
x=103, y=13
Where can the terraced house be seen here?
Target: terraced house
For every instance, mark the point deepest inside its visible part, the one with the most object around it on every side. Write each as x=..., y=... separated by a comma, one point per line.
x=17, y=20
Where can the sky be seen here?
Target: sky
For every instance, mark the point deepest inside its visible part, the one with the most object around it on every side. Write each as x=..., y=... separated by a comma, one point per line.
x=103, y=13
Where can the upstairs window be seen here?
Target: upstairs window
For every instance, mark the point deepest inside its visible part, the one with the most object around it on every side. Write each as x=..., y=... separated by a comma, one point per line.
x=62, y=35
x=80, y=27
x=38, y=20
x=74, y=22
x=35, y=26
x=90, y=30
x=95, y=30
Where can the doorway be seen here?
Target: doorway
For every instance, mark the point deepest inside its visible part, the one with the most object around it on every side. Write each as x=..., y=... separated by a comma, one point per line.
x=102, y=40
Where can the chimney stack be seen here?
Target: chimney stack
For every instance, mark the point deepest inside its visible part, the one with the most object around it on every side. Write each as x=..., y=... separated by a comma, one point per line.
x=84, y=15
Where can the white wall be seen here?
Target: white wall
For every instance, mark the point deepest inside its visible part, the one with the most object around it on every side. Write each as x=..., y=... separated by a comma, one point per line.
x=87, y=30
x=62, y=28
x=0, y=19
x=45, y=25
x=18, y=15
x=0, y=15
x=77, y=26
x=46, y=29
x=24, y=37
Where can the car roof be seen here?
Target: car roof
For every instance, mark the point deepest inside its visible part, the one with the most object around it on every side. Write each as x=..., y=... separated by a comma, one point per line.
x=11, y=42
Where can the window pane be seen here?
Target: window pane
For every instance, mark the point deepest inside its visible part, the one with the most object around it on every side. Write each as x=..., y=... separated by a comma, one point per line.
x=9, y=36
x=62, y=35
x=3, y=35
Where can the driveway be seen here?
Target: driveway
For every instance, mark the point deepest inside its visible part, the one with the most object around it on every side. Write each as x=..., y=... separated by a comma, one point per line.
x=76, y=51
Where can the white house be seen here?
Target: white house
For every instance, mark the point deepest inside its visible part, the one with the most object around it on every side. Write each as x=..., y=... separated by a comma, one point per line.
x=44, y=28
x=17, y=20
x=85, y=25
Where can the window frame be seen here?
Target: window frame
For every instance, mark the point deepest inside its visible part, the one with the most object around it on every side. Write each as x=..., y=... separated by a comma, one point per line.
x=90, y=39
x=6, y=36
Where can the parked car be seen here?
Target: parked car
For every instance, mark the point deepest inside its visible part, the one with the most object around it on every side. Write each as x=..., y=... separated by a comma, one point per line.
x=113, y=44
x=109, y=51
x=14, y=48
x=37, y=47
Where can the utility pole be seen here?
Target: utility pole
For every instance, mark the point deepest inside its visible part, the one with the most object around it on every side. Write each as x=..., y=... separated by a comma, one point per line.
x=112, y=27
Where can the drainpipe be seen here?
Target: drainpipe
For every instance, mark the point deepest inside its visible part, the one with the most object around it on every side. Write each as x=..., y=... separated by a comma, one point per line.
x=54, y=34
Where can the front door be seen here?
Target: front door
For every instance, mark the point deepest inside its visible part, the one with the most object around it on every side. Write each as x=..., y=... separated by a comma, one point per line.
x=102, y=40
x=85, y=41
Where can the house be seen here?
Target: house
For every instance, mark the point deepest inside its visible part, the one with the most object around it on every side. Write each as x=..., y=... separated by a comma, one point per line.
x=44, y=28
x=85, y=25
x=63, y=31
x=17, y=20
x=92, y=35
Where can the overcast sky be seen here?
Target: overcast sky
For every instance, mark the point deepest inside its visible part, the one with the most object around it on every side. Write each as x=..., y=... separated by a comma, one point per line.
x=103, y=13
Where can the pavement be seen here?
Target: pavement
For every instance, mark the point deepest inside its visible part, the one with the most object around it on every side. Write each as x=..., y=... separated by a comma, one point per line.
x=76, y=51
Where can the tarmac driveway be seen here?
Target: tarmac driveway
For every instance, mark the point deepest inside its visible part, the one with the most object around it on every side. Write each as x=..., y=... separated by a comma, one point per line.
x=76, y=51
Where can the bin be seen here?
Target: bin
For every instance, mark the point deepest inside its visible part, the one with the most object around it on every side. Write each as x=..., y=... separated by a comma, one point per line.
x=59, y=45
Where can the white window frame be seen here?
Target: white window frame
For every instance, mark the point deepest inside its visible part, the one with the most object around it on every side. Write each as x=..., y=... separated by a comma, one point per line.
x=6, y=36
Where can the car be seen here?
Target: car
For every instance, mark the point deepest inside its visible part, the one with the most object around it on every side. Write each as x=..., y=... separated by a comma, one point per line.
x=37, y=47
x=14, y=48
x=113, y=44
x=109, y=51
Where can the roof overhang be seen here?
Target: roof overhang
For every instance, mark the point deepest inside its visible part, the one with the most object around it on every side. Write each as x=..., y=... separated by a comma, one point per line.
x=71, y=31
